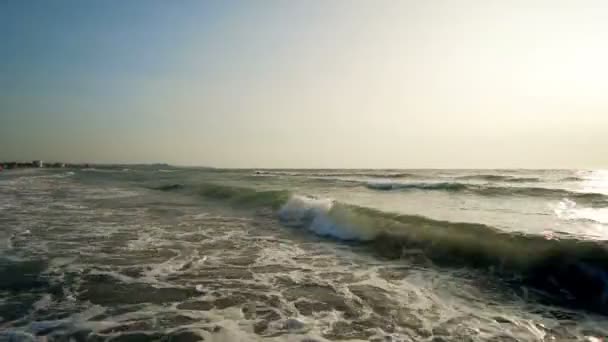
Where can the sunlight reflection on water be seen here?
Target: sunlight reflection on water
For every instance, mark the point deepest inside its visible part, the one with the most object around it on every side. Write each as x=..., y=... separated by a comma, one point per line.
x=595, y=181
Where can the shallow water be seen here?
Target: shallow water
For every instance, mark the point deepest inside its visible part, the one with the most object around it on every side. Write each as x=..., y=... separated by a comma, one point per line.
x=143, y=254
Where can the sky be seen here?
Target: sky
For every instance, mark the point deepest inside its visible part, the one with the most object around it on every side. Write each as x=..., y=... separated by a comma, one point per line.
x=306, y=84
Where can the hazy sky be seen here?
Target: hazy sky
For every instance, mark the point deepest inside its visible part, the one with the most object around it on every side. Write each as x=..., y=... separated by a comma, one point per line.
x=306, y=83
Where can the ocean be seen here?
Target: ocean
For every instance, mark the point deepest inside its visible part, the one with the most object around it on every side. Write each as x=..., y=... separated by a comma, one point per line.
x=160, y=253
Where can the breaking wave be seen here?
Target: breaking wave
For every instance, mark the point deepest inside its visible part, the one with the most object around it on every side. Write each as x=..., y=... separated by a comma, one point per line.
x=572, y=271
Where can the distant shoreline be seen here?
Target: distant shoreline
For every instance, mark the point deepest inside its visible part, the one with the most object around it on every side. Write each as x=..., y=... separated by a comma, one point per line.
x=38, y=164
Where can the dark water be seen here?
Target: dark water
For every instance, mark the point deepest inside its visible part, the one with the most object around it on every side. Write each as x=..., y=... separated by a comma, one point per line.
x=145, y=254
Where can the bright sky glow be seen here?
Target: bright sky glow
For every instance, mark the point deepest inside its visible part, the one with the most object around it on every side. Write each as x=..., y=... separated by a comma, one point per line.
x=314, y=84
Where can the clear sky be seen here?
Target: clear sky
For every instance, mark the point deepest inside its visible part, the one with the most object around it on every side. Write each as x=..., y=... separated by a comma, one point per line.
x=318, y=84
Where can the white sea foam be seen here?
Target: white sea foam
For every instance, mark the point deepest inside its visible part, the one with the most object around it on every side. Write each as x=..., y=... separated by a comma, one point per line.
x=217, y=250
x=302, y=210
x=324, y=217
x=569, y=210
x=314, y=214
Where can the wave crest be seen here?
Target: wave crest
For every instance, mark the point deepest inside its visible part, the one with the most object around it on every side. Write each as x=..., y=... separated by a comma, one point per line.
x=445, y=186
x=595, y=199
x=369, y=174
x=500, y=178
x=574, y=271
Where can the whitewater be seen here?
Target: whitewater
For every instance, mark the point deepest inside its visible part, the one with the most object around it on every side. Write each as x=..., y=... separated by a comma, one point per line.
x=141, y=253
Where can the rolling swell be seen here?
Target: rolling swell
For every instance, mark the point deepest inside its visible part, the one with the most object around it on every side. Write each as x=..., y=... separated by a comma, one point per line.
x=500, y=178
x=586, y=197
x=336, y=174
x=445, y=186
x=595, y=199
x=240, y=196
x=572, y=179
x=573, y=272
x=168, y=187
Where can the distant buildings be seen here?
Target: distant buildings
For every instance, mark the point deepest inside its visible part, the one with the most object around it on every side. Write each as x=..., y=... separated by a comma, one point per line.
x=52, y=165
x=36, y=164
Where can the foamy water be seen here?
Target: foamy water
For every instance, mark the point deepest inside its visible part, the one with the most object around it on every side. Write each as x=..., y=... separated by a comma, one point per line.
x=143, y=254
